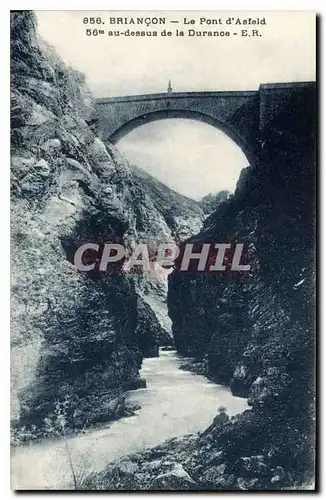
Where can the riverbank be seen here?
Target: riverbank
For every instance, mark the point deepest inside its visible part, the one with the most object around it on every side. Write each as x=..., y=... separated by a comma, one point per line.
x=174, y=403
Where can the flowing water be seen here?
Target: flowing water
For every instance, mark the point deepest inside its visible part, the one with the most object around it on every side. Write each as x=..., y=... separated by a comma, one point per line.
x=175, y=402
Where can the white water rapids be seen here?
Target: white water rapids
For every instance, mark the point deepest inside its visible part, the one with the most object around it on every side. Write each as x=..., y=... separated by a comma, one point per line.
x=175, y=402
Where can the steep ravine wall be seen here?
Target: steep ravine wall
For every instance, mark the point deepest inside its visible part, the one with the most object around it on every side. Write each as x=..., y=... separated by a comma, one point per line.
x=256, y=332
x=77, y=340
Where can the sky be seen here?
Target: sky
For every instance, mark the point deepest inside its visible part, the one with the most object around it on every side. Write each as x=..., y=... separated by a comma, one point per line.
x=139, y=65
x=191, y=157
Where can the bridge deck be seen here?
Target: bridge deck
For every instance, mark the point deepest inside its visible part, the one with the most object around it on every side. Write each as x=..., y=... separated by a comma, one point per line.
x=214, y=93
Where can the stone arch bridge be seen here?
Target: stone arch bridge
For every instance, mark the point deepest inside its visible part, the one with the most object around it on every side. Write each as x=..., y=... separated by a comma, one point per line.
x=240, y=114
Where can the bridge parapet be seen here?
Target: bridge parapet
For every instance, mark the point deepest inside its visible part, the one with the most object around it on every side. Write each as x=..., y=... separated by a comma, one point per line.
x=174, y=95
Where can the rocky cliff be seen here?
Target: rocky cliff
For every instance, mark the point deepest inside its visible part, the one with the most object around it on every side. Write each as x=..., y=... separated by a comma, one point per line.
x=183, y=215
x=236, y=322
x=254, y=331
x=210, y=202
x=77, y=340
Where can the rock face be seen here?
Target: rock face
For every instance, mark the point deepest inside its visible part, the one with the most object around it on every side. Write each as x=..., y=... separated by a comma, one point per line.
x=256, y=332
x=77, y=340
x=183, y=215
x=210, y=202
x=165, y=467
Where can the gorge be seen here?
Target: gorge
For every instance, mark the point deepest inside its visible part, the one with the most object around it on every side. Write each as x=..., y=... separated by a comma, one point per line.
x=81, y=342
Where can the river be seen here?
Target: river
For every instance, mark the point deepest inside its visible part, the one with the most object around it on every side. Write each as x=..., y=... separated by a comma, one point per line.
x=175, y=402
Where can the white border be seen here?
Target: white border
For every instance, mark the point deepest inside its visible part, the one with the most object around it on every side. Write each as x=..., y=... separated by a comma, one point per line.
x=316, y=5
x=167, y=5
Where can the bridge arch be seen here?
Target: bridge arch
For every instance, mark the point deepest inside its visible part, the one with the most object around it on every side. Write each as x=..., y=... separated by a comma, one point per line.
x=185, y=114
x=234, y=113
x=241, y=115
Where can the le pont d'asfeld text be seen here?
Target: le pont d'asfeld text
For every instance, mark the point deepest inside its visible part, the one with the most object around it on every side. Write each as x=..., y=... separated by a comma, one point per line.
x=186, y=26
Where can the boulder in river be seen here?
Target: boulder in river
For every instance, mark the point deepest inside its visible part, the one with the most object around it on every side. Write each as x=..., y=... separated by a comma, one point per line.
x=175, y=479
x=215, y=477
x=136, y=383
